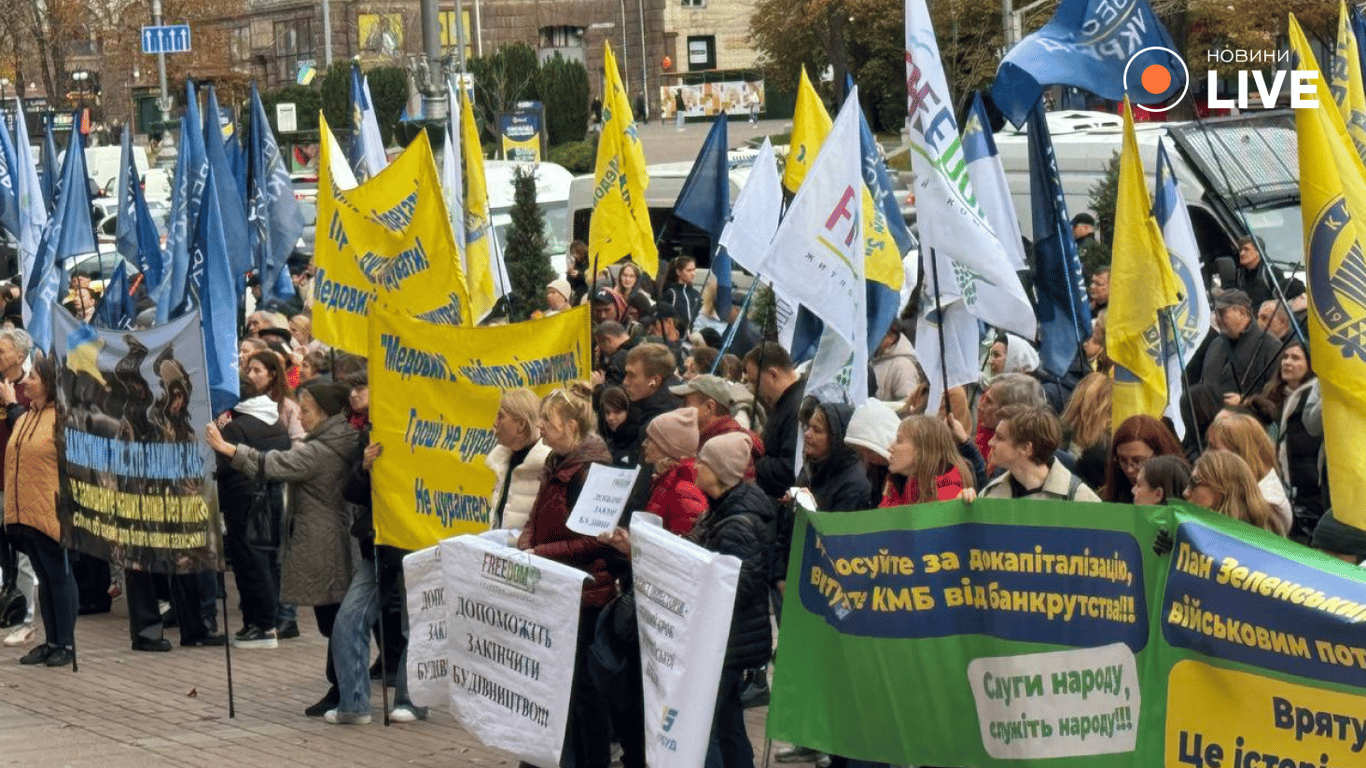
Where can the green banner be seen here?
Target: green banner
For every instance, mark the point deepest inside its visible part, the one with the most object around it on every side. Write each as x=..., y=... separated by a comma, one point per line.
x=1052, y=634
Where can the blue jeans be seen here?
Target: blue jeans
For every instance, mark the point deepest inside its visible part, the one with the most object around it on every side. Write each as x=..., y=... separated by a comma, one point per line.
x=351, y=639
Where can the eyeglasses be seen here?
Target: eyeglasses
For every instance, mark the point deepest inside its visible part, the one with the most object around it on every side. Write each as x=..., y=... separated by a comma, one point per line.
x=1197, y=481
x=1131, y=461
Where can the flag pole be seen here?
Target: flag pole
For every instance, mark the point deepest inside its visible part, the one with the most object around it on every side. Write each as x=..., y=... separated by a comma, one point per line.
x=939, y=327
x=735, y=326
x=1170, y=314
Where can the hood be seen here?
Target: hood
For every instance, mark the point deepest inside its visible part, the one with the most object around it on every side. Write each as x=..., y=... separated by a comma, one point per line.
x=873, y=426
x=902, y=348
x=261, y=407
x=1021, y=357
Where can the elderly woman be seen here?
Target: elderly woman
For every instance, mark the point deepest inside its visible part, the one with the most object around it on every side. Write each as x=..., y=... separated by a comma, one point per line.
x=31, y=477
x=566, y=423
x=317, y=558
x=517, y=460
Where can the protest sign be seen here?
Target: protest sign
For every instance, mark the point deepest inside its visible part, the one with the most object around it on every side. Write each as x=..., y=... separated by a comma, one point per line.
x=684, y=599
x=138, y=476
x=429, y=649
x=1049, y=631
x=513, y=629
x=435, y=392
x=602, y=499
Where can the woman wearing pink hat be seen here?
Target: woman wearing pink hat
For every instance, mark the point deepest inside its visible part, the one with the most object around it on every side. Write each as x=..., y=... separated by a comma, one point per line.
x=671, y=447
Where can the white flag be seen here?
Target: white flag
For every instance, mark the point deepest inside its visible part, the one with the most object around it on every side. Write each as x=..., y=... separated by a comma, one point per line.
x=372, y=144
x=989, y=182
x=1192, y=315
x=754, y=216
x=816, y=257
x=453, y=177
x=947, y=318
x=951, y=220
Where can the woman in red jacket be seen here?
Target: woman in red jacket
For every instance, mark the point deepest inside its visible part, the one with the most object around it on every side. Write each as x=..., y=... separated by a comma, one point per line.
x=671, y=448
x=566, y=425
x=925, y=465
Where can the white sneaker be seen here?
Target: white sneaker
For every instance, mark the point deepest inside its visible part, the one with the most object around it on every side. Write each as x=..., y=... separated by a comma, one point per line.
x=22, y=635
x=337, y=717
x=405, y=714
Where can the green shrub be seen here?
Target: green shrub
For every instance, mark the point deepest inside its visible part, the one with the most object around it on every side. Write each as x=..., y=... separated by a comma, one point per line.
x=564, y=91
x=578, y=156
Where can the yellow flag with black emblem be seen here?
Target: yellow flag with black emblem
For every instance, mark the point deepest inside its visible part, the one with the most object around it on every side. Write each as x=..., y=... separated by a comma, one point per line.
x=620, y=226
x=1143, y=287
x=1347, y=87
x=1333, y=203
x=810, y=125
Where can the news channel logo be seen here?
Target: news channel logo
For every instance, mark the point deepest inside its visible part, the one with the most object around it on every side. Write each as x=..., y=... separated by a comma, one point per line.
x=1156, y=79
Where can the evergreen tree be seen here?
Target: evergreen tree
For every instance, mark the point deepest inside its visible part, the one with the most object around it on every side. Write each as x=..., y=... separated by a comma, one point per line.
x=528, y=264
x=1095, y=252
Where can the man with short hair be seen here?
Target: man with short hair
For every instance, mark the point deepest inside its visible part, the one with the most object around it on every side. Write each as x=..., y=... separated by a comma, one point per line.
x=613, y=343
x=1024, y=444
x=1240, y=361
x=1099, y=290
x=710, y=396
x=1272, y=318
x=607, y=305
x=769, y=369
x=1257, y=276
x=649, y=372
x=1083, y=227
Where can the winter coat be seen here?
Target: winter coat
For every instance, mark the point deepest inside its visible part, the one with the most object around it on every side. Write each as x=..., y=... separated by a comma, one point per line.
x=1241, y=366
x=774, y=471
x=895, y=371
x=7, y=424
x=947, y=488
x=724, y=426
x=547, y=533
x=1060, y=484
x=838, y=481
x=628, y=437
x=317, y=561
x=235, y=489
x=1299, y=449
x=1257, y=283
x=675, y=497
x=522, y=486
x=740, y=524
x=31, y=475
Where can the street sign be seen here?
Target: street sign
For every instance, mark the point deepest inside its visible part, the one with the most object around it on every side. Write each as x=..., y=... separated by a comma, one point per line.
x=171, y=38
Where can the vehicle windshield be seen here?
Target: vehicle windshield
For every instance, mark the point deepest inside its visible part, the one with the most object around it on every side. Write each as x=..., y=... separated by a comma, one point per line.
x=1282, y=229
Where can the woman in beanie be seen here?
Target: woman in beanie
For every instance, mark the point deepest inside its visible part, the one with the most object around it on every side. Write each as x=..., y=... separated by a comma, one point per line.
x=740, y=524
x=670, y=447
x=316, y=557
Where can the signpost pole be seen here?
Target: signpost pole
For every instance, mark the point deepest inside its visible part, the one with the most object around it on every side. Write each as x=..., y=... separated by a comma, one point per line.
x=164, y=102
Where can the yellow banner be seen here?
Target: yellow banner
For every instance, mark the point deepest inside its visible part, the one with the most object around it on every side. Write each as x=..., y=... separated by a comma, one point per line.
x=620, y=226
x=434, y=393
x=1333, y=204
x=386, y=242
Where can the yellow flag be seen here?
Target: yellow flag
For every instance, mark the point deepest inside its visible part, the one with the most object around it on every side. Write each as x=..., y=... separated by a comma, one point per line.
x=620, y=226
x=480, y=250
x=1347, y=86
x=1333, y=203
x=1143, y=286
x=810, y=124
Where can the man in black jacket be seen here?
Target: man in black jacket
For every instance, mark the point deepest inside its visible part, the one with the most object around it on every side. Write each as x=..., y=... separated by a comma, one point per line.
x=769, y=369
x=1240, y=360
x=650, y=371
x=1256, y=275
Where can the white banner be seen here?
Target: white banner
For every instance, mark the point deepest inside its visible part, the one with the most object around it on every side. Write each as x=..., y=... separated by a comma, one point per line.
x=429, y=649
x=513, y=628
x=684, y=599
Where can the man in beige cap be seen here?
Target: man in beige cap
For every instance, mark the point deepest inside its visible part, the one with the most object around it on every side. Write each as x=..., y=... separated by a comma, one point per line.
x=711, y=397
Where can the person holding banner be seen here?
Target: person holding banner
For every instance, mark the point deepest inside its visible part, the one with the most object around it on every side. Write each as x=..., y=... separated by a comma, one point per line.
x=924, y=464
x=32, y=462
x=316, y=568
x=566, y=425
x=1023, y=444
x=518, y=459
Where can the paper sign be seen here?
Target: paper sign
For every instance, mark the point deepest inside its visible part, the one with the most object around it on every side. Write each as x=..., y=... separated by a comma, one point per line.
x=603, y=499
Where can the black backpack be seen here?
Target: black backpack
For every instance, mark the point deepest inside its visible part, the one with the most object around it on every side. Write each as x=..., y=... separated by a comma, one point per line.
x=13, y=606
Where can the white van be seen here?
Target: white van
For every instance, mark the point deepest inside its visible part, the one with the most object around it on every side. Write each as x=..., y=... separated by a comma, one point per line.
x=552, y=196
x=102, y=165
x=1238, y=174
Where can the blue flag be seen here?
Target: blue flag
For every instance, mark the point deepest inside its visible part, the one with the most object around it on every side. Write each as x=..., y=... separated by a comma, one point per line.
x=136, y=236
x=1089, y=44
x=116, y=309
x=70, y=232
x=1059, y=293
x=187, y=192
x=274, y=220
x=884, y=301
x=704, y=202
x=237, y=161
x=217, y=300
x=9, y=182
x=49, y=160
x=232, y=203
x=1358, y=22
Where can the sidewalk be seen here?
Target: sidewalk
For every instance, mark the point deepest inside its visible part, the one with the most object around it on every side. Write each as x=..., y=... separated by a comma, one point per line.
x=125, y=709
x=665, y=144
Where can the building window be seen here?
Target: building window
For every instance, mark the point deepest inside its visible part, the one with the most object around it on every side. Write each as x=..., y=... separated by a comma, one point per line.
x=701, y=52
x=293, y=48
x=451, y=34
x=239, y=44
x=694, y=3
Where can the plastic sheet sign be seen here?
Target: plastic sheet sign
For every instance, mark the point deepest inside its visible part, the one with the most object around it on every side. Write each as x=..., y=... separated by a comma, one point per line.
x=1047, y=631
x=602, y=499
x=684, y=595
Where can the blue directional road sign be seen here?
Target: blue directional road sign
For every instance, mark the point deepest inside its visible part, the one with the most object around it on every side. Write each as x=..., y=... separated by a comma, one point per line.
x=171, y=38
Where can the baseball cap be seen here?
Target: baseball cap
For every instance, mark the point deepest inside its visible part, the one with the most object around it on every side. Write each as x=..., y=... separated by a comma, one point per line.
x=707, y=385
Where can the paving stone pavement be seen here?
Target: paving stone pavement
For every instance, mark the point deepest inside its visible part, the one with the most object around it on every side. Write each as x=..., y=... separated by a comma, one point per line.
x=125, y=709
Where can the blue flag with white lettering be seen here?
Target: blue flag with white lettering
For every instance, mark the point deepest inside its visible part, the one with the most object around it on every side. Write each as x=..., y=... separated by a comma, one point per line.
x=116, y=309
x=1090, y=44
x=217, y=299
x=135, y=234
x=1059, y=292
x=187, y=192
x=704, y=202
x=50, y=170
x=275, y=221
x=69, y=233
x=232, y=203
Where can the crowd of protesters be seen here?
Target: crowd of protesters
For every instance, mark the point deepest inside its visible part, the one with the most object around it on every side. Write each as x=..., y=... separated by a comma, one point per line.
x=719, y=417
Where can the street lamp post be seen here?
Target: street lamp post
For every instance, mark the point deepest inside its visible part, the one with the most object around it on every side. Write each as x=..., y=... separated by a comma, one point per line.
x=80, y=77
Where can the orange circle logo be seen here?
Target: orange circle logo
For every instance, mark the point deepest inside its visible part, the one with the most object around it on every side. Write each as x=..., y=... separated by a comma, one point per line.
x=1156, y=79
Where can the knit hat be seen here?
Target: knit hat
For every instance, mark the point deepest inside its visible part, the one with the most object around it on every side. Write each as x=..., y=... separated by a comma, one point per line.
x=675, y=433
x=873, y=426
x=727, y=456
x=331, y=396
x=561, y=286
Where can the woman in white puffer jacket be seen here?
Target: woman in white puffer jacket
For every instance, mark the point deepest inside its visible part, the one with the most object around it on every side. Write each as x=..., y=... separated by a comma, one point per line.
x=518, y=459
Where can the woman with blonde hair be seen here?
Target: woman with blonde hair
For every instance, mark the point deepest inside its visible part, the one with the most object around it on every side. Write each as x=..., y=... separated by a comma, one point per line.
x=925, y=464
x=1222, y=482
x=517, y=460
x=1086, y=426
x=1242, y=434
